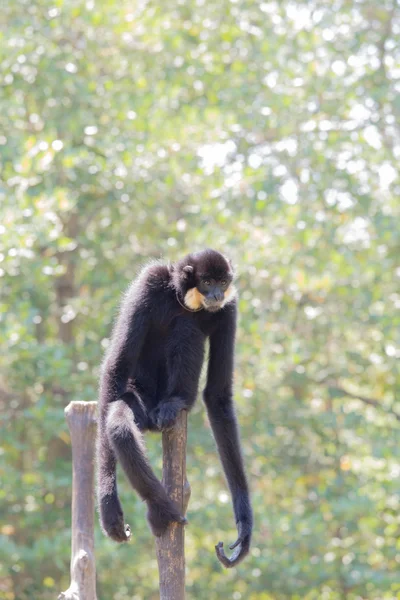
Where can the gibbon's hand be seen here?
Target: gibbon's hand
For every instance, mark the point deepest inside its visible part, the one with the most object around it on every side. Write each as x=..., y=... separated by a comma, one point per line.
x=241, y=546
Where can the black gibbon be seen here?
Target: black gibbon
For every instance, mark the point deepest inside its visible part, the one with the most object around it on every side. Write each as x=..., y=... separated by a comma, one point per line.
x=151, y=371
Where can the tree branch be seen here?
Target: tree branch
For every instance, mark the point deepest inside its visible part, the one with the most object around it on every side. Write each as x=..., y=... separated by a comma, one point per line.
x=366, y=399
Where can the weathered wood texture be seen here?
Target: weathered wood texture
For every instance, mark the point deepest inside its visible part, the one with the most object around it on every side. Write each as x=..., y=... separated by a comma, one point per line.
x=81, y=418
x=170, y=546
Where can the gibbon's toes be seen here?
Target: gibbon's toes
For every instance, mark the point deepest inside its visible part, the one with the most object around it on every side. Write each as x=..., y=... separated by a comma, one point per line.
x=117, y=531
x=112, y=519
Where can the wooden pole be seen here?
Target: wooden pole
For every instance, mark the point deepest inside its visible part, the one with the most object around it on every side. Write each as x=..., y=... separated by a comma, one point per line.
x=170, y=547
x=81, y=418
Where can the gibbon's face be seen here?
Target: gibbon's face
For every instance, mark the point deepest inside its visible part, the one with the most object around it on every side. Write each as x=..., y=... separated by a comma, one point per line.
x=211, y=276
x=214, y=292
x=210, y=293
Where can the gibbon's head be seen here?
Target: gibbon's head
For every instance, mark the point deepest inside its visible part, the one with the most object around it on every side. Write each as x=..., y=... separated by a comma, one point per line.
x=206, y=280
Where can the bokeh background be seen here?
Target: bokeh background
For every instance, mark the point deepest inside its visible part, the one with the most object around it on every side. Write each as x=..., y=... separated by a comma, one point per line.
x=267, y=130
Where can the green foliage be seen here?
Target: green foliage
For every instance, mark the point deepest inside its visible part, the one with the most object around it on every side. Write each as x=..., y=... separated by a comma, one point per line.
x=131, y=130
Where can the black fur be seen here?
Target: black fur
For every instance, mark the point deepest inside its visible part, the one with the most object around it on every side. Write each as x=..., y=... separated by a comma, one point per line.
x=151, y=372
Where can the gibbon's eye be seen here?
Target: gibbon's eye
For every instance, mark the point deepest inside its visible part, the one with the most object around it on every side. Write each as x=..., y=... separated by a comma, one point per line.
x=223, y=282
x=207, y=282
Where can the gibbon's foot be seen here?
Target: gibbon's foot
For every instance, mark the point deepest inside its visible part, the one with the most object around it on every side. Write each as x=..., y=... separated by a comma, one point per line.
x=165, y=414
x=160, y=516
x=112, y=520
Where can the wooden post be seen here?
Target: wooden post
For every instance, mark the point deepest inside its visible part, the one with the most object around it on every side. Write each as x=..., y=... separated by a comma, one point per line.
x=81, y=418
x=170, y=547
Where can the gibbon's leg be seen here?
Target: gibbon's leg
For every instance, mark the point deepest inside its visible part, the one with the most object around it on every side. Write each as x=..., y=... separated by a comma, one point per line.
x=126, y=440
x=111, y=514
x=184, y=354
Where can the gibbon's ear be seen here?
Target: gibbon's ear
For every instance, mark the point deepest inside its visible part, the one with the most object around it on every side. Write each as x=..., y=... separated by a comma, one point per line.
x=187, y=271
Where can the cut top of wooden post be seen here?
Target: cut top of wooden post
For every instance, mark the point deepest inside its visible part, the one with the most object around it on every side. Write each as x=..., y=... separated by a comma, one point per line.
x=78, y=409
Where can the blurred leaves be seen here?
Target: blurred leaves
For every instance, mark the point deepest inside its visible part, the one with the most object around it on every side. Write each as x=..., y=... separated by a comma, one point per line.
x=267, y=130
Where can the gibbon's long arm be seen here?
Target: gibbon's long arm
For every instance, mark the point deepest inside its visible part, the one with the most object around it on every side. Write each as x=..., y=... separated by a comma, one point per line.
x=220, y=408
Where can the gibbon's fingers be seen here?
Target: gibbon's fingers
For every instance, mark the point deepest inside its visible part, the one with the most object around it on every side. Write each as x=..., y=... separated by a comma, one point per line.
x=241, y=546
x=238, y=541
x=236, y=557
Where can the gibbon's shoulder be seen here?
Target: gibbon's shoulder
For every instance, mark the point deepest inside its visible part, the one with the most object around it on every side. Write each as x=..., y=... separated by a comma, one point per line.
x=155, y=275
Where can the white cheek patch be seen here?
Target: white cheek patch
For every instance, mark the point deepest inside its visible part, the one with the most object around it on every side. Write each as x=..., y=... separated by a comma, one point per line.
x=229, y=294
x=193, y=299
